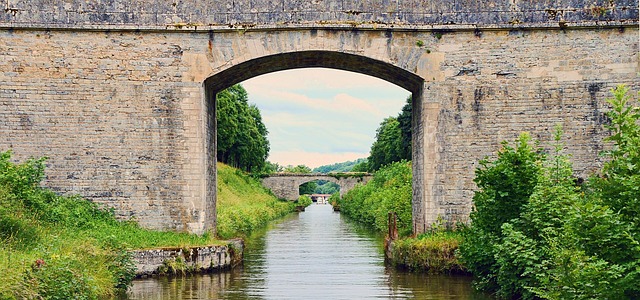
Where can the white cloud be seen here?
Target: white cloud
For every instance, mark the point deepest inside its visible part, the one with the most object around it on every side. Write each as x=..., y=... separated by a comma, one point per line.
x=322, y=116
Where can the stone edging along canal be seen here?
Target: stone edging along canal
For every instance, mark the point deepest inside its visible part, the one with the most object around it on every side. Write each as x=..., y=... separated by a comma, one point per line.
x=187, y=260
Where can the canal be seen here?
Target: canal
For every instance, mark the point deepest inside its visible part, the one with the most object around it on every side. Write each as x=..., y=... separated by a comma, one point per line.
x=315, y=254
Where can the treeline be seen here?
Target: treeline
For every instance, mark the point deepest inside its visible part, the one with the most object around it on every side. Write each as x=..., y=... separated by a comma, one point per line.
x=346, y=166
x=537, y=232
x=393, y=142
x=242, y=137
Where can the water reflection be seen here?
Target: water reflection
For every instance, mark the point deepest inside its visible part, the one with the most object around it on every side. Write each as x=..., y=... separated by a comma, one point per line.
x=312, y=255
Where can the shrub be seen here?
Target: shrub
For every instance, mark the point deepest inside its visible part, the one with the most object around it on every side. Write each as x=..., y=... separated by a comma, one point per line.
x=389, y=190
x=563, y=241
x=304, y=200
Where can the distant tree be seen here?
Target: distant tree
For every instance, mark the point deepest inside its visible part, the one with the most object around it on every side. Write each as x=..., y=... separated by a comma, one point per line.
x=326, y=187
x=393, y=141
x=346, y=166
x=387, y=147
x=404, y=122
x=308, y=188
x=362, y=166
x=270, y=168
x=241, y=137
x=297, y=169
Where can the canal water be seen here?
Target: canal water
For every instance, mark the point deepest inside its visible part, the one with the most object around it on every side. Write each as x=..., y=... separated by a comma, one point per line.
x=316, y=254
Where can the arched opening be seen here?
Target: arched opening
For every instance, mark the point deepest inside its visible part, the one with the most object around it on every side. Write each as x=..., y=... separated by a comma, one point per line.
x=325, y=59
x=318, y=187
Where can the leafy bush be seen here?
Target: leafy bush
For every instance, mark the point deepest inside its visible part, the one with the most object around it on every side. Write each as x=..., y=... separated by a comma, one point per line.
x=389, y=190
x=304, y=200
x=554, y=239
x=433, y=252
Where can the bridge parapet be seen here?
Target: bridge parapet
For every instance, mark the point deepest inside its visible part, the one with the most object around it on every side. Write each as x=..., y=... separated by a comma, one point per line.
x=286, y=185
x=248, y=14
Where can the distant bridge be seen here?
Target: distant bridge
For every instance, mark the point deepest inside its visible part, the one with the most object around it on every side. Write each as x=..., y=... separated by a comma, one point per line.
x=287, y=185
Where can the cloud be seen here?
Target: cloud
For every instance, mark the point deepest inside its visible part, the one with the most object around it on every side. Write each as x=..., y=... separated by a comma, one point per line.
x=322, y=115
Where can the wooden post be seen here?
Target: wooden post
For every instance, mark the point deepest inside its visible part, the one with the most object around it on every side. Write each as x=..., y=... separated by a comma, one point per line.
x=392, y=235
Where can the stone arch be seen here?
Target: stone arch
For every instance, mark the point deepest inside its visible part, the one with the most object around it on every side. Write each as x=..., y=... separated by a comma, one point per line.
x=424, y=133
x=307, y=180
x=286, y=185
x=314, y=58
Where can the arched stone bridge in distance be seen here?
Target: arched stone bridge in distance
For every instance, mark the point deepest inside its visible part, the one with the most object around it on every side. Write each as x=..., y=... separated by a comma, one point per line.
x=286, y=185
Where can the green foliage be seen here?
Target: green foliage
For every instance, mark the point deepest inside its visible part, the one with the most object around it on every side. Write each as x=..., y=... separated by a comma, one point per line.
x=393, y=141
x=504, y=187
x=242, y=136
x=55, y=247
x=389, y=190
x=308, y=188
x=387, y=147
x=346, y=166
x=326, y=187
x=562, y=241
x=304, y=200
x=244, y=205
x=270, y=168
x=362, y=166
x=299, y=169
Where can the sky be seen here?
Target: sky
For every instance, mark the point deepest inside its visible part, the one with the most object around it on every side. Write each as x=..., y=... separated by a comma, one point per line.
x=319, y=116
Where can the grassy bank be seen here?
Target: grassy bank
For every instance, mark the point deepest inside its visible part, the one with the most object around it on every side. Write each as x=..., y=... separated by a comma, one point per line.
x=244, y=204
x=390, y=190
x=55, y=247
x=430, y=252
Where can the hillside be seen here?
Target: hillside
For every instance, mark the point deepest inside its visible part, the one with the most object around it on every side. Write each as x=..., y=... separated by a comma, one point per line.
x=346, y=166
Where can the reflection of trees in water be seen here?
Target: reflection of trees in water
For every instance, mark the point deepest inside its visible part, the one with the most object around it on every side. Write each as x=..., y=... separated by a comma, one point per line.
x=428, y=286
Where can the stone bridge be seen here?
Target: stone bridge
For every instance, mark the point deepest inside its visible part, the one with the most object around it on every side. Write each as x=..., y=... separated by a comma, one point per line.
x=120, y=94
x=287, y=185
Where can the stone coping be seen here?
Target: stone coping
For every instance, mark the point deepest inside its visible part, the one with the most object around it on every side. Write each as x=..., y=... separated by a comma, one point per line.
x=203, y=259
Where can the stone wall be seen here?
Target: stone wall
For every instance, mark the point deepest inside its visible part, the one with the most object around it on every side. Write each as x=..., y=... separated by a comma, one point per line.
x=196, y=259
x=114, y=114
x=248, y=13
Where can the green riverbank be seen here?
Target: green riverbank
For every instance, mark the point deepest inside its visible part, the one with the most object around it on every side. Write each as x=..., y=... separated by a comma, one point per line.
x=55, y=247
x=244, y=205
x=390, y=191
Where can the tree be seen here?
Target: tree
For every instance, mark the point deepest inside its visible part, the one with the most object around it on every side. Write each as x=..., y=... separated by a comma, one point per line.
x=302, y=169
x=270, y=168
x=308, y=188
x=242, y=136
x=393, y=141
x=387, y=146
x=404, y=122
